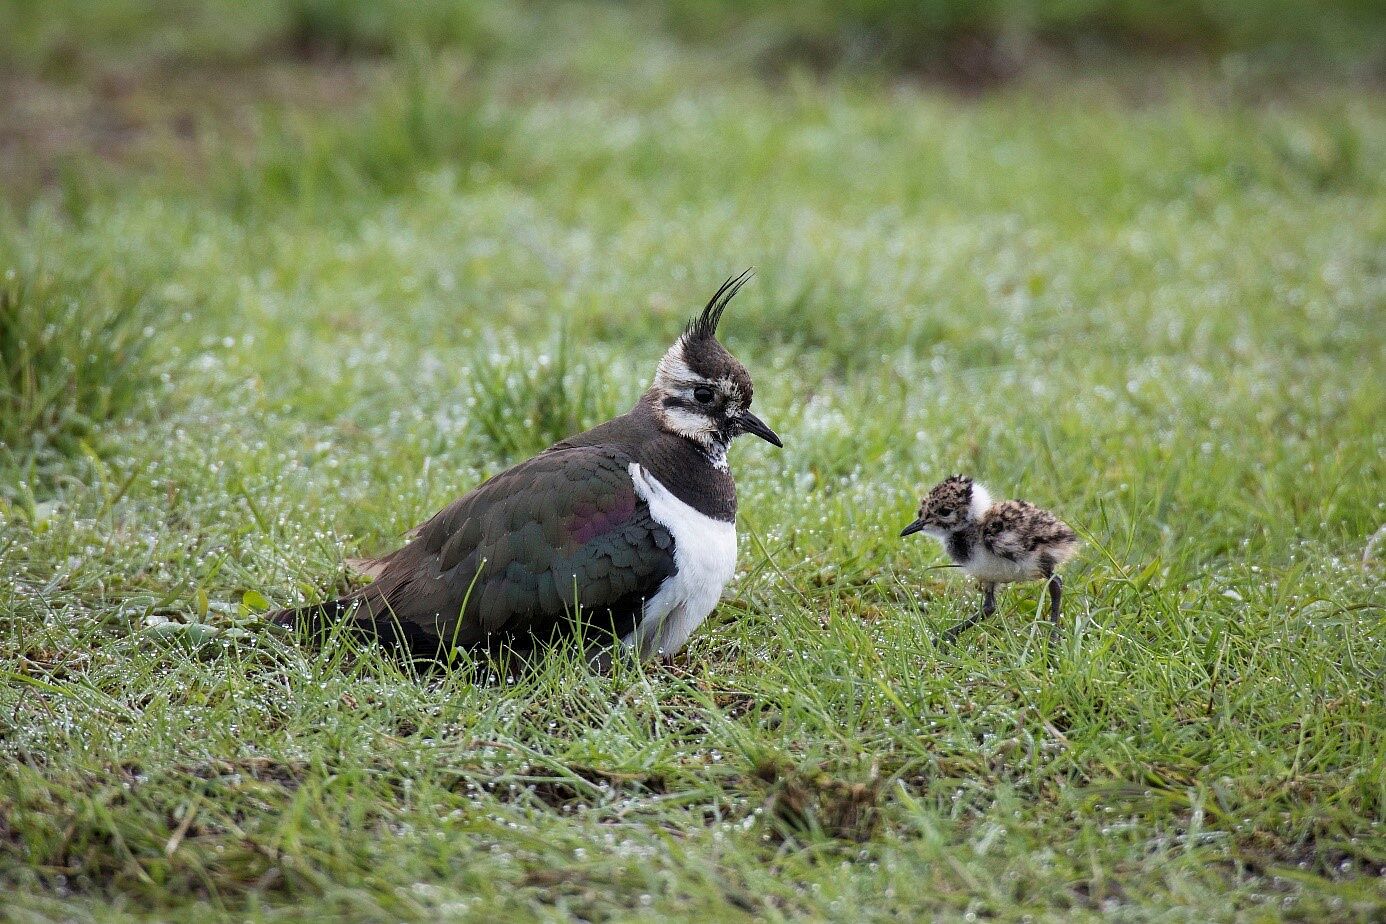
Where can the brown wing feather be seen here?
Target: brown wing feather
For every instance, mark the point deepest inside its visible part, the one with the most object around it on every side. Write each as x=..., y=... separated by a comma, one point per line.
x=510, y=559
x=368, y=567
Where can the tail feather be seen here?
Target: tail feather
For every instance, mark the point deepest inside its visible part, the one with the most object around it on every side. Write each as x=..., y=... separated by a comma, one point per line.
x=314, y=619
x=358, y=612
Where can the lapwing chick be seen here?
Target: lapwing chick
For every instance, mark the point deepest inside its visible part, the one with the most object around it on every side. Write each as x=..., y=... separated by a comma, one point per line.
x=995, y=543
x=628, y=529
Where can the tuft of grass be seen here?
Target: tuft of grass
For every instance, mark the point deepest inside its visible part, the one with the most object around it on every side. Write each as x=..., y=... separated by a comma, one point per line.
x=522, y=404
x=77, y=350
x=425, y=113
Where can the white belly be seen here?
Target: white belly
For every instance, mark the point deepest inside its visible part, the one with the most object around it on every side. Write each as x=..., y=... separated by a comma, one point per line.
x=984, y=566
x=704, y=559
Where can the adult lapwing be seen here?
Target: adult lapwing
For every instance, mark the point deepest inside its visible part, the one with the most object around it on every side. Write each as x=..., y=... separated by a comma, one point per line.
x=995, y=543
x=628, y=528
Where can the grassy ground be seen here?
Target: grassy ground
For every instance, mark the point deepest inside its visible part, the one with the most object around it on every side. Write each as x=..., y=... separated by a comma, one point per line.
x=1151, y=301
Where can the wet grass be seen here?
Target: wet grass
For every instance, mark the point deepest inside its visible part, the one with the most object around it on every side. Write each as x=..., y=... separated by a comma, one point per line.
x=78, y=347
x=1162, y=318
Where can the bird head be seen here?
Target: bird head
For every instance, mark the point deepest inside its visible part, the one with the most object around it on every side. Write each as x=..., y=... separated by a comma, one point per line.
x=701, y=392
x=952, y=504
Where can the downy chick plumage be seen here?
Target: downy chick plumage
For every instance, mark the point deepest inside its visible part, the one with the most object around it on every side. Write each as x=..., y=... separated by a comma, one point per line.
x=995, y=542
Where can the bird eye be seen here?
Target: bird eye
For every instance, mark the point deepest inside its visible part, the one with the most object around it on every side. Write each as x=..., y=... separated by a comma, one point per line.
x=702, y=394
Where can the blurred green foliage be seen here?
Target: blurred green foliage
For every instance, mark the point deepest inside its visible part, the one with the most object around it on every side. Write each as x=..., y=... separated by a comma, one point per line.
x=427, y=113
x=939, y=34
x=982, y=38
x=59, y=36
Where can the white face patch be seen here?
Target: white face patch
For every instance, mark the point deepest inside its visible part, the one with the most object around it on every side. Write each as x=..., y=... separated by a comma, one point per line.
x=689, y=424
x=672, y=373
x=673, y=377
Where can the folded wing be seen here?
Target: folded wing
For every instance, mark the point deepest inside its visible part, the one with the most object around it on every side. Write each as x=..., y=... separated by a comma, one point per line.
x=518, y=557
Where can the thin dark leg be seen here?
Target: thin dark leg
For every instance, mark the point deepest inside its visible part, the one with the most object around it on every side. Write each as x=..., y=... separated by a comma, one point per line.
x=1056, y=593
x=988, y=607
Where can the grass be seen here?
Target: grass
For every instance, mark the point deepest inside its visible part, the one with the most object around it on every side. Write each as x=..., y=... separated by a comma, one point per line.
x=1154, y=306
x=76, y=341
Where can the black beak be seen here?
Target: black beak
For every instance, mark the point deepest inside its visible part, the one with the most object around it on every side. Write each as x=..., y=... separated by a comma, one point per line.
x=913, y=528
x=750, y=423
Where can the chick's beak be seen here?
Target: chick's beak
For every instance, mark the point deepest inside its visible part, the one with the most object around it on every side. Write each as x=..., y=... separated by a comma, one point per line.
x=750, y=423
x=913, y=528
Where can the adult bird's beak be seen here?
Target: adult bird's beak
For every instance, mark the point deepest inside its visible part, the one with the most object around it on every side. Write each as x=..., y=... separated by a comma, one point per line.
x=750, y=423
x=913, y=528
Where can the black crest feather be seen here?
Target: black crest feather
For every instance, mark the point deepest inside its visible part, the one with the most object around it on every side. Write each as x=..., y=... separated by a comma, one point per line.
x=705, y=324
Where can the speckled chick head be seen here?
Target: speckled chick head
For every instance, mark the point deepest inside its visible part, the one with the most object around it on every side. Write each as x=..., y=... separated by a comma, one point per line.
x=950, y=505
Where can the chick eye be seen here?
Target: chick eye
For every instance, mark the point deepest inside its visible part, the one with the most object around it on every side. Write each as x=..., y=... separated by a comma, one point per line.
x=702, y=394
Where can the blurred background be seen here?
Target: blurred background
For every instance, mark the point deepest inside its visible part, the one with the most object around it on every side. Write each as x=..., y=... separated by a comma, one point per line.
x=582, y=141
x=115, y=79
x=280, y=278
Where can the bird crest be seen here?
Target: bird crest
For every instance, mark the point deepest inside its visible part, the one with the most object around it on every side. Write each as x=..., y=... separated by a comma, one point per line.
x=704, y=326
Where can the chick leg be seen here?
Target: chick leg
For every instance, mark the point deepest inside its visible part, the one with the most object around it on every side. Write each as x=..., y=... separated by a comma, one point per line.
x=1056, y=592
x=988, y=607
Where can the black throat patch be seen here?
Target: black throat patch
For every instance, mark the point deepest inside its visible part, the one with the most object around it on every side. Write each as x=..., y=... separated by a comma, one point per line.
x=959, y=545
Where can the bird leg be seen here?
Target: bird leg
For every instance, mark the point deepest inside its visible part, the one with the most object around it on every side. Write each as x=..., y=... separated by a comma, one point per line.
x=988, y=607
x=1056, y=592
